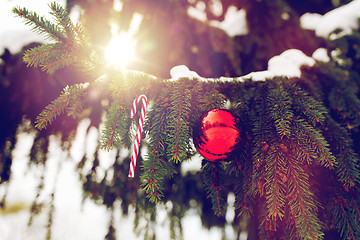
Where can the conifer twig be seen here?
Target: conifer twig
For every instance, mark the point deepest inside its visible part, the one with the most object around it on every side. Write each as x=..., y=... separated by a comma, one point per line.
x=40, y=25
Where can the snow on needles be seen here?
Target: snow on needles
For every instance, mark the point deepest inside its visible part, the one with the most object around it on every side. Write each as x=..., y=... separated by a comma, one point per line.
x=286, y=64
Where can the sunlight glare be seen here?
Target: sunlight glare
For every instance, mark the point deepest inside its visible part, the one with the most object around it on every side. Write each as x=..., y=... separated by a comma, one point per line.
x=121, y=48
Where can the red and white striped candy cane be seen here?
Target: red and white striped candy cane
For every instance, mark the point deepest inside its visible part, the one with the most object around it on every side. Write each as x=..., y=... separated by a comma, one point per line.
x=135, y=151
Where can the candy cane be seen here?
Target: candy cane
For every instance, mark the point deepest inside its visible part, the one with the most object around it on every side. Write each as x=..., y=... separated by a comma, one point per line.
x=139, y=132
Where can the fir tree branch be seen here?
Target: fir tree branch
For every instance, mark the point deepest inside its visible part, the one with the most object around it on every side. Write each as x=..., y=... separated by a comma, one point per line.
x=71, y=44
x=156, y=167
x=349, y=228
x=39, y=55
x=51, y=111
x=50, y=57
x=275, y=184
x=177, y=125
x=78, y=106
x=356, y=207
x=348, y=169
x=263, y=133
x=267, y=226
x=244, y=195
x=305, y=155
x=302, y=147
x=345, y=220
x=63, y=61
x=285, y=122
x=279, y=104
x=342, y=94
x=63, y=19
x=68, y=97
x=291, y=232
x=81, y=35
x=302, y=203
x=311, y=108
x=346, y=103
x=40, y=25
x=210, y=99
x=135, y=82
x=117, y=128
x=316, y=142
x=348, y=161
x=212, y=175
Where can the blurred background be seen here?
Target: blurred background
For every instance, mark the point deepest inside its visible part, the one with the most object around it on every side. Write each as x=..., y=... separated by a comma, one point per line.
x=59, y=183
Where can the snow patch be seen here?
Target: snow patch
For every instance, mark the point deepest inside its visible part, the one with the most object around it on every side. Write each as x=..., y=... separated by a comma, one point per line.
x=289, y=62
x=182, y=71
x=310, y=20
x=286, y=64
x=197, y=13
x=191, y=166
x=234, y=22
x=345, y=17
x=321, y=55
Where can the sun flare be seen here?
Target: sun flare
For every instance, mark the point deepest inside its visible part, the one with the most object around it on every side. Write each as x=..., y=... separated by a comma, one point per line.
x=121, y=49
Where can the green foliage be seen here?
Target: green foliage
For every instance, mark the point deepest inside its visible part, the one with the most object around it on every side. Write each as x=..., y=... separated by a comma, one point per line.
x=48, y=55
x=342, y=93
x=348, y=160
x=316, y=141
x=129, y=84
x=275, y=187
x=116, y=122
x=71, y=42
x=280, y=110
x=291, y=129
x=40, y=24
x=344, y=214
x=283, y=145
x=312, y=110
x=213, y=177
x=157, y=167
x=178, y=123
x=63, y=19
x=70, y=100
x=209, y=98
x=301, y=199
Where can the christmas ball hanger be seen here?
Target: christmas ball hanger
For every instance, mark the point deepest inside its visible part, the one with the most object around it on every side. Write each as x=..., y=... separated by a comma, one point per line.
x=216, y=134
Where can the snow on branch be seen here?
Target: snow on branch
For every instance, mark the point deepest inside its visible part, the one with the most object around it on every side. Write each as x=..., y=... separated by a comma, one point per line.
x=345, y=18
x=286, y=64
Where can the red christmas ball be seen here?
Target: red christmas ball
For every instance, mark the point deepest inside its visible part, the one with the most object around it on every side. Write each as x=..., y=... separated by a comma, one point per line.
x=216, y=134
